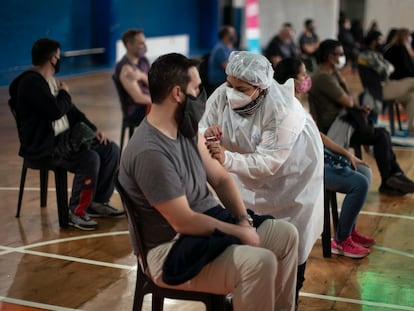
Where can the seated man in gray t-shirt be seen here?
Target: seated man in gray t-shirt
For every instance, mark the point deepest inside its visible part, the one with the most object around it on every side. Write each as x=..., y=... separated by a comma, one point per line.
x=165, y=169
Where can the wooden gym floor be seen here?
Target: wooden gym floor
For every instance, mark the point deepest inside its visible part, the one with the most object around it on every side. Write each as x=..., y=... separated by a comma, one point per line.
x=48, y=268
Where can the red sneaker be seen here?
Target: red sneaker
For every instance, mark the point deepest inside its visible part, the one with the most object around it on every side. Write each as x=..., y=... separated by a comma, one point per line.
x=348, y=248
x=362, y=240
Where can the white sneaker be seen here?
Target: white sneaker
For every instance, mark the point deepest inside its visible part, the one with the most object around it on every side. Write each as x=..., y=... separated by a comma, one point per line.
x=103, y=210
x=82, y=222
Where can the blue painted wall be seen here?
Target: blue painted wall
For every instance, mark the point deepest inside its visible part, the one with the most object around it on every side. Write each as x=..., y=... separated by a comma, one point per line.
x=85, y=24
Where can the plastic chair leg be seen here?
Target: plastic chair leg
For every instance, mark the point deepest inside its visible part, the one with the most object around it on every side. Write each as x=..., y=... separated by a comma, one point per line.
x=326, y=234
x=334, y=210
x=391, y=117
x=139, y=290
x=44, y=178
x=62, y=196
x=121, y=140
x=157, y=303
x=21, y=189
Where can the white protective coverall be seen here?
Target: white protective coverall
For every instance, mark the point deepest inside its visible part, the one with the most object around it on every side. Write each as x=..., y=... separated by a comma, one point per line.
x=276, y=158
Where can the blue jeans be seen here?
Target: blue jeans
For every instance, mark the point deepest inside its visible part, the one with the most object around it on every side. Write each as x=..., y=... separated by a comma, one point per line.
x=355, y=184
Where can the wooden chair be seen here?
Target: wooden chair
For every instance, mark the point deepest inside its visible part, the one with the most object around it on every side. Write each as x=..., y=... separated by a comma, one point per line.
x=330, y=206
x=44, y=168
x=144, y=284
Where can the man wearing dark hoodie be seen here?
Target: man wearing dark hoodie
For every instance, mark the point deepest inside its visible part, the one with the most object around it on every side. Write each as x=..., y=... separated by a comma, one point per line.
x=44, y=112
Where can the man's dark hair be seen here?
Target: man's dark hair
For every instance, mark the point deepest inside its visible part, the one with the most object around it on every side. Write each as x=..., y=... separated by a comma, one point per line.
x=224, y=31
x=130, y=34
x=287, y=68
x=43, y=49
x=287, y=25
x=308, y=21
x=372, y=36
x=168, y=71
x=327, y=47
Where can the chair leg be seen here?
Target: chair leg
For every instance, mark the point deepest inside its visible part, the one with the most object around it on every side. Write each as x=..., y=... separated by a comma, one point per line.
x=139, y=290
x=334, y=209
x=326, y=234
x=391, y=117
x=397, y=110
x=61, y=182
x=157, y=303
x=21, y=189
x=44, y=178
x=121, y=140
x=218, y=302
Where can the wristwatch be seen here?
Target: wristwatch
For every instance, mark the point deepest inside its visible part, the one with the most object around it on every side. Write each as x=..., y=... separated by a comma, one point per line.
x=245, y=217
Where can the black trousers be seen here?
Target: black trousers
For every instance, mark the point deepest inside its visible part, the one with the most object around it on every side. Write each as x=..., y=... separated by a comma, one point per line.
x=94, y=171
x=384, y=155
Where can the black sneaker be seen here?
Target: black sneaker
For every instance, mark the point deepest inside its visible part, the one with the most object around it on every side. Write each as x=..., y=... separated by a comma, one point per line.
x=103, y=210
x=384, y=189
x=397, y=182
x=82, y=222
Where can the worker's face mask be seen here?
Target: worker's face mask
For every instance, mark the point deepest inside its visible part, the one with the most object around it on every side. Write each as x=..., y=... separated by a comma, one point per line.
x=191, y=114
x=238, y=99
x=251, y=106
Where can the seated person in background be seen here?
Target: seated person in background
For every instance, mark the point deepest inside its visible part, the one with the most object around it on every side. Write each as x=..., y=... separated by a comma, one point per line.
x=41, y=105
x=309, y=43
x=400, y=54
x=350, y=46
x=282, y=45
x=270, y=145
x=165, y=169
x=132, y=72
x=219, y=57
x=329, y=97
x=346, y=174
x=399, y=89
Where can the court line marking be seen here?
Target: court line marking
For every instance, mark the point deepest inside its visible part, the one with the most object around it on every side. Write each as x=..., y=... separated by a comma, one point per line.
x=386, y=215
x=70, y=258
x=35, y=304
x=406, y=217
x=356, y=301
x=26, y=250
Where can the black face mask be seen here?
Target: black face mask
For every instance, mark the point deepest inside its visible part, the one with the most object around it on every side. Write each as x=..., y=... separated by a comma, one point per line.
x=192, y=113
x=56, y=66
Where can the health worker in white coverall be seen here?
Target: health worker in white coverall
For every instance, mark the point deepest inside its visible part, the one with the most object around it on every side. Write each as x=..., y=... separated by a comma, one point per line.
x=261, y=134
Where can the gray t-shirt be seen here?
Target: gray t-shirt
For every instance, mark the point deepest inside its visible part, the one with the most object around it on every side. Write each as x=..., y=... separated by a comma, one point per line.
x=154, y=169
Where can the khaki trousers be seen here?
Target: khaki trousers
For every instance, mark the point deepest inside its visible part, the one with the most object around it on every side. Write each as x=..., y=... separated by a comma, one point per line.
x=402, y=90
x=260, y=278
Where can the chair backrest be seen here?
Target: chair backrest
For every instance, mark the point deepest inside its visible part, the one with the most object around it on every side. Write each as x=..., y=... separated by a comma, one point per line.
x=16, y=119
x=122, y=95
x=371, y=81
x=132, y=216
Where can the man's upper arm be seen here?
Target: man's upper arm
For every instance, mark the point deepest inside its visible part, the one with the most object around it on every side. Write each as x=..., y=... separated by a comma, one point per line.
x=214, y=170
x=332, y=90
x=129, y=81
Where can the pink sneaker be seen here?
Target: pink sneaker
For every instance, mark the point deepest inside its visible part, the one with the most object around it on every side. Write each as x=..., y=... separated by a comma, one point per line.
x=362, y=240
x=348, y=248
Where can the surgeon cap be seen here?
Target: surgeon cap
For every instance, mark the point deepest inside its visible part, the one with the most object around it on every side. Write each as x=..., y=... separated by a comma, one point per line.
x=252, y=68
